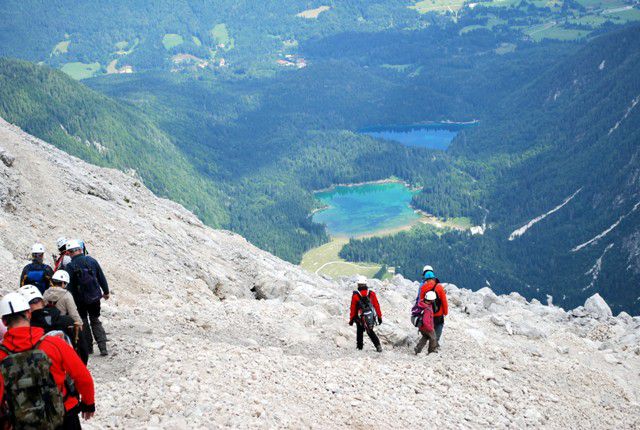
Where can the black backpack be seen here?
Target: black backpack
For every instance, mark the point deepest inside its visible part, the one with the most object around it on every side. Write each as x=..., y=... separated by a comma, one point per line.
x=87, y=285
x=368, y=315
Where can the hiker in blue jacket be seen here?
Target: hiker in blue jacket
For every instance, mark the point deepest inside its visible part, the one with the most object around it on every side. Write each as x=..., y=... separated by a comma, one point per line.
x=88, y=286
x=37, y=272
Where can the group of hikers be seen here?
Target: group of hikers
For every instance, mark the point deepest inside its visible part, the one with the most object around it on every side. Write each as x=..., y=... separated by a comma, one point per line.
x=427, y=314
x=48, y=329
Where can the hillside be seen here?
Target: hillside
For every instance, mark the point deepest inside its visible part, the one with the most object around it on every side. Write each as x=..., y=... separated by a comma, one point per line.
x=208, y=331
x=52, y=106
x=555, y=169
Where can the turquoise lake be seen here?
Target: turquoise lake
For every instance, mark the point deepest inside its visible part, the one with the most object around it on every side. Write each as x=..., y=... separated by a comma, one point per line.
x=432, y=136
x=365, y=209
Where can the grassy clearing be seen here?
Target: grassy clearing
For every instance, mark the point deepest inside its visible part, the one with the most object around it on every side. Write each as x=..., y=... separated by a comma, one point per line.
x=120, y=46
x=440, y=6
x=626, y=15
x=112, y=67
x=81, y=70
x=172, y=40
x=220, y=34
x=505, y=48
x=196, y=41
x=313, y=13
x=547, y=31
x=325, y=260
x=61, y=48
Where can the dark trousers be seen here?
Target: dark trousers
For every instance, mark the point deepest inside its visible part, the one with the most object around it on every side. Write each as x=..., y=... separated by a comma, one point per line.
x=360, y=329
x=438, y=323
x=71, y=420
x=90, y=315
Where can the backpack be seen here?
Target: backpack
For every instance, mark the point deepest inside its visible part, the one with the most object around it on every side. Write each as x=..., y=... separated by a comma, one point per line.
x=416, y=315
x=368, y=314
x=437, y=303
x=36, y=276
x=87, y=284
x=32, y=396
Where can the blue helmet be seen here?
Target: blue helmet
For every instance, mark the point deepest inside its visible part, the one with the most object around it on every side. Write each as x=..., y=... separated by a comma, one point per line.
x=429, y=275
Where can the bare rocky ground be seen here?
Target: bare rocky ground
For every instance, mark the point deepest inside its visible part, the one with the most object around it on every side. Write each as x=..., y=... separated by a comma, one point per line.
x=207, y=331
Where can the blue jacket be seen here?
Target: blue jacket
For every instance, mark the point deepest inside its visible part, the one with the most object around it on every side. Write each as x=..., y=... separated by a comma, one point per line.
x=84, y=261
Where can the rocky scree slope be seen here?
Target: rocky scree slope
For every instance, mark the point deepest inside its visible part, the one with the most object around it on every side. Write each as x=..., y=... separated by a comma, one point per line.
x=208, y=331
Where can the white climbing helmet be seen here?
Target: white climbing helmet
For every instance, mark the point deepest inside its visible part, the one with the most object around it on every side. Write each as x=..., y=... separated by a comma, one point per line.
x=361, y=280
x=13, y=303
x=61, y=276
x=37, y=248
x=61, y=242
x=427, y=268
x=431, y=295
x=74, y=244
x=30, y=292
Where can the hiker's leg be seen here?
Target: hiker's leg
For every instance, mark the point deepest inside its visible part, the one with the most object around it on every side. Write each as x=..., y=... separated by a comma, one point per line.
x=421, y=343
x=81, y=347
x=433, y=343
x=86, y=328
x=359, y=336
x=96, y=327
x=439, y=326
x=374, y=338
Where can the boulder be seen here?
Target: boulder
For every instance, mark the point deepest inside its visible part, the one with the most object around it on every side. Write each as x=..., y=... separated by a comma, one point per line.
x=597, y=307
x=6, y=158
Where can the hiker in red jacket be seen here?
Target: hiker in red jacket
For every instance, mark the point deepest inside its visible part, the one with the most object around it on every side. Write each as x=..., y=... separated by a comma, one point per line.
x=52, y=411
x=440, y=305
x=365, y=312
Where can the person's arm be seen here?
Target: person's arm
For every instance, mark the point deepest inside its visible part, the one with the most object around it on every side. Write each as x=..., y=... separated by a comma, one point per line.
x=443, y=299
x=75, y=368
x=48, y=274
x=376, y=305
x=23, y=276
x=72, y=309
x=101, y=278
x=354, y=303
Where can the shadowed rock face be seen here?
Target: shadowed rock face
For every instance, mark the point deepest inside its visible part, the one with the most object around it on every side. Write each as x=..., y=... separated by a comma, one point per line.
x=206, y=330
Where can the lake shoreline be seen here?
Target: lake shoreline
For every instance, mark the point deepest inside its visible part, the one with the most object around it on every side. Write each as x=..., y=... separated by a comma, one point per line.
x=359, y=184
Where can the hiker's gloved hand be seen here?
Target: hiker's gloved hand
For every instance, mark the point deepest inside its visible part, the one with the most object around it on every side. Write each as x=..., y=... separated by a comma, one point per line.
x=351, y=322
x=88, y=411
x=379, y=320
x=106, y=296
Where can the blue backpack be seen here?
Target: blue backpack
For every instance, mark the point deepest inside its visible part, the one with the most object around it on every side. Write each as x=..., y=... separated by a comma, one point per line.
x=36, y=275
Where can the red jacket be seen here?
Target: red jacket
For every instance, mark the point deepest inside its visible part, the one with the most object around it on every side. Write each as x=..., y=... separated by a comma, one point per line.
x=430, y=284
x=64, y=360
x=356, y=298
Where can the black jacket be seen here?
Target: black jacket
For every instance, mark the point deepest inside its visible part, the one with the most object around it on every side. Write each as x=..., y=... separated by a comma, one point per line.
x=51, y=319
x=84, y=261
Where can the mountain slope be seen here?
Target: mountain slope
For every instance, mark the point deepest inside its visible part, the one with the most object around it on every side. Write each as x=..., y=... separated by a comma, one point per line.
x=193, y=348
x=89, y=125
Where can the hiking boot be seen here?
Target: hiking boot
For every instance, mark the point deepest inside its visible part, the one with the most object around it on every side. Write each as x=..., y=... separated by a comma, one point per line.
x=104, y=352
x=378, y=348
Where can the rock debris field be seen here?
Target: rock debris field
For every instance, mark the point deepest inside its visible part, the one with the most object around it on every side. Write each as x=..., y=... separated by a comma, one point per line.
x=207, y=331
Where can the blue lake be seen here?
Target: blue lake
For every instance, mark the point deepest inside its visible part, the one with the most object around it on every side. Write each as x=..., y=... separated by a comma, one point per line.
x=432, y=136
x=365, y=209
